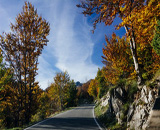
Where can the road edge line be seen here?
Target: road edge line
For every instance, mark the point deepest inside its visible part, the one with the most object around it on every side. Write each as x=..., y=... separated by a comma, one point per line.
x=37, y=123
x=96, y=120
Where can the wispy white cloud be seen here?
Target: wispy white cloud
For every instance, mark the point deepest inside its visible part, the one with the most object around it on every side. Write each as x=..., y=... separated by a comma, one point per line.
x=70, y=47
x=73, y=45
x=8, y=12
x=4, y=16
x=70, y=44
x=45, y=73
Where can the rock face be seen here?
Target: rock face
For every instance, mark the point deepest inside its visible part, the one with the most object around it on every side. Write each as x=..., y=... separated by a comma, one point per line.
x=104, y=100
x=142, y=107
x=138, y=112
x=117, y=99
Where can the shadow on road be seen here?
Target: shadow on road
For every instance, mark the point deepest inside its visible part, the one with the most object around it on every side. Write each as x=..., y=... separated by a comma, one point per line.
x=67, y=124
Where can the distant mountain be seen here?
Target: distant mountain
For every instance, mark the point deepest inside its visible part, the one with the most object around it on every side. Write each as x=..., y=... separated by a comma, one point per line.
x=78, y=84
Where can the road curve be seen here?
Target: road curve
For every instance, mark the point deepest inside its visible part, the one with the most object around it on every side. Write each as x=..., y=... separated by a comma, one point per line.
x=80, y=118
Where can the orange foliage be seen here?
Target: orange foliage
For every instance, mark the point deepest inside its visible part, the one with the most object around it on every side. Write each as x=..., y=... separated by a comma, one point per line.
x=93, y=89
x=118, y=59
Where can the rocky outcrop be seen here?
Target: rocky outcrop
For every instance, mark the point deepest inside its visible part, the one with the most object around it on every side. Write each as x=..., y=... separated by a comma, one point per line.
x=138, y=113
x=142, y=107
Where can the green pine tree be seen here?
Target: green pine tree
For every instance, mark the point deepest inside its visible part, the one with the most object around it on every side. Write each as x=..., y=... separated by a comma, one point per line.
x=156, y=39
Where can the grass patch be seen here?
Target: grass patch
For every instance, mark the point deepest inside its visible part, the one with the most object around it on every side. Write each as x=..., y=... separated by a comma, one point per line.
x=131, y=88
x=153, y=82
x=156, y=75
x=118, y=127
x=120, y=83
x=100, y=110
x=106, y=118
x=17, y=128
x=125, y=109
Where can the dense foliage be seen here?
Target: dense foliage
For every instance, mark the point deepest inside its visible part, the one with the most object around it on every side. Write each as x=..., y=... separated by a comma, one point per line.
x=139, y=18
x=135, y=55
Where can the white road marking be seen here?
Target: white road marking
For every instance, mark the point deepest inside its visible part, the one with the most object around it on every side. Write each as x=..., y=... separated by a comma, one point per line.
x=96, y=120
x=37, y=124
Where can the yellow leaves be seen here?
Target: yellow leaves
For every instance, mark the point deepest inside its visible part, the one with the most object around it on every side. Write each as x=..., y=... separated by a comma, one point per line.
x=105, y=14
x=7, y=98
x=145, y=21
x=122, y=9
x=59, y=91
x=22, y=47
x=117, y=57
x=104, y=7
x=93, y=89
x=33, y=92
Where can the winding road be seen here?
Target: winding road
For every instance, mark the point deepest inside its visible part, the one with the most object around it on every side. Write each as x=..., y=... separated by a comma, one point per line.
x=79, y=118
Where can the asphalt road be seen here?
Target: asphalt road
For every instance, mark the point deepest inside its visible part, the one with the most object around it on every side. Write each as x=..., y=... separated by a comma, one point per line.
x=80, y=118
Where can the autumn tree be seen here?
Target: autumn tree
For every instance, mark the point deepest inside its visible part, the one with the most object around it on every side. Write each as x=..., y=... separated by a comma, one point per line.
x=118, y=65
x=59, y=90
x=117, y=57
x=127, y=11
x=99, y=86
x=61, y=94
x=83, y=94
x=102, y=83
x=21, y=49
x=144, y=21
x=79, y=91
x=93, y=89
x=44, y=107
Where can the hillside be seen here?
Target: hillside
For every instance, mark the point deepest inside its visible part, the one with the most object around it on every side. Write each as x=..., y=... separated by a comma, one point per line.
x=126, y=106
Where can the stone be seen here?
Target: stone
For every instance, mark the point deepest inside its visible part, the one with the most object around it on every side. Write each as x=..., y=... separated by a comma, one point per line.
x=144, y=94
x=117, y=105
x=151, y=96
x=105, y=100
x=140, y=116
x=120, y=91
x=130, y=113
x=118, y=116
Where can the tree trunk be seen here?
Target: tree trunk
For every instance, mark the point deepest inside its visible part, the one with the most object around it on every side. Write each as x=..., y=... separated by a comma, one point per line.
x=25, y=84
x=30, y=88
x=134, y=55
x=60, y=96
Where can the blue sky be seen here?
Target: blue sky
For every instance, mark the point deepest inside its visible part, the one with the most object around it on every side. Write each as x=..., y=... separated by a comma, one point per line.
x=72, y=46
